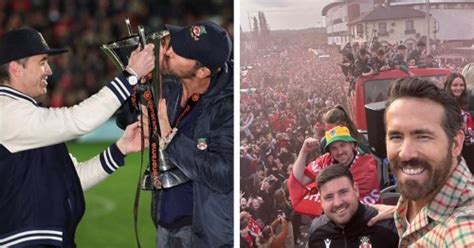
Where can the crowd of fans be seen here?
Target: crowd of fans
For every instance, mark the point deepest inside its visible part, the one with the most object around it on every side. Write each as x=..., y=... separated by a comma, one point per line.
x=83, y=26
x=286, y=88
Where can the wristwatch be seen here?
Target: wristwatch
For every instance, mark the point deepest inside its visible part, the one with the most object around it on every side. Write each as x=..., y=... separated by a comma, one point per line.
x=132, y=79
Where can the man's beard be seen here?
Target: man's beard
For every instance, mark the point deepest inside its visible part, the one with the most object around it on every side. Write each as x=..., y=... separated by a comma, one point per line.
x=412, y=189
x=164, y=67
x=165, y=70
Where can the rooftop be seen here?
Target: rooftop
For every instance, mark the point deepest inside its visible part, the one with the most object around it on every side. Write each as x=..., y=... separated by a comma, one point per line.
x=388, y=13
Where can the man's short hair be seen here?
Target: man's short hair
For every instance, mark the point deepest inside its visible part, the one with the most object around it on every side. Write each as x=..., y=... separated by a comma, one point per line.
x=422, y=88
x=401, y=46
x=333, y=172
x=420, y=44
x=4, y=76
x=243, y=224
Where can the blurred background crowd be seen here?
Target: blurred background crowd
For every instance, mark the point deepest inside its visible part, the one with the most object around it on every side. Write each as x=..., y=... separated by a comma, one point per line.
x=285, y=90
x=83, y=26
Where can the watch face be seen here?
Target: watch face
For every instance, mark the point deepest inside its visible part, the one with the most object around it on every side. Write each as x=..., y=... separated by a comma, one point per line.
x=132, y=80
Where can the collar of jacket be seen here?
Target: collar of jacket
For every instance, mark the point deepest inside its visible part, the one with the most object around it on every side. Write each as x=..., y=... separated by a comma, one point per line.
x=222, y=84
x=360, y=219
x=15, y=94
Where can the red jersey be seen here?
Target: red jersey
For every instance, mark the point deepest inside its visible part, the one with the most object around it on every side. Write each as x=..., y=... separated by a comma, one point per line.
x=305, y=198
x=468, y=125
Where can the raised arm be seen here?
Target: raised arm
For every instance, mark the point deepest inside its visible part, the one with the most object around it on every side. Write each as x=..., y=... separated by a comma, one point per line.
x=299, y=166
x=26, y=126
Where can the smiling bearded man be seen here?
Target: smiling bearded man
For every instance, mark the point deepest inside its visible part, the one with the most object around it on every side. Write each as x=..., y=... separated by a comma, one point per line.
x=424, y=142
x=344, y=223
x=436, y=175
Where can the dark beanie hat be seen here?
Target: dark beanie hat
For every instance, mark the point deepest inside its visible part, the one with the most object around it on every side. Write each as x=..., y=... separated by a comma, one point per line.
x=24, y=42
x=203, y=41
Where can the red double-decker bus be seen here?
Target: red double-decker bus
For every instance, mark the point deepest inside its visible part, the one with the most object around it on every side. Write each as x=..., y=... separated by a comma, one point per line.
x=374, y=88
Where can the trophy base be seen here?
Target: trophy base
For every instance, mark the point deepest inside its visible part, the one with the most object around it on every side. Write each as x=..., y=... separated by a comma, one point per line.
x=168, y=179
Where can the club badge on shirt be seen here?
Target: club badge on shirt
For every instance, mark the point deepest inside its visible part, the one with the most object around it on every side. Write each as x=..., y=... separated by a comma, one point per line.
x=202, y=144
x=327, y=243
x=365, y=242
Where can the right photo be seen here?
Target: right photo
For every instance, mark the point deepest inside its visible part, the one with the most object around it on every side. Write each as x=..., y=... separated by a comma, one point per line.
x=356, y=123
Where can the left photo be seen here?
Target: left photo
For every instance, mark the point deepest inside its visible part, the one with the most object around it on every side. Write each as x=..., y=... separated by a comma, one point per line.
x=116, y=123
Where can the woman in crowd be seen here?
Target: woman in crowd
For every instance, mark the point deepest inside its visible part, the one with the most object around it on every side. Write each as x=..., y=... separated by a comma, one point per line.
x=456, y=86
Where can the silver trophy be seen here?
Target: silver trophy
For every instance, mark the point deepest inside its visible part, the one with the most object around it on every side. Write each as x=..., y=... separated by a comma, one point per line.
x=119, y=51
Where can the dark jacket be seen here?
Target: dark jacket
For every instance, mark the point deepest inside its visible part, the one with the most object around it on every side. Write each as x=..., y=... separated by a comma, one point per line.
x=355, y=234
x=416, y=55
x=376, y=63
x=41, y=200
x=210, y=169
x=398, y=62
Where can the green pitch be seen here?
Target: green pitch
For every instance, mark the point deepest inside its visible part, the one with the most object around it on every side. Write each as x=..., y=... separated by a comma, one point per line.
x=108, y=220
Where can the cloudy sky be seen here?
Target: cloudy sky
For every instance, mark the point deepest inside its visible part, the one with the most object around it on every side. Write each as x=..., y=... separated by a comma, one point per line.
x=284, y=14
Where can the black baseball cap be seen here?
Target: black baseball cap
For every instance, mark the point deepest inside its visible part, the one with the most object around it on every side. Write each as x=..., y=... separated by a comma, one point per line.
x=24, y=42
x=203, y=41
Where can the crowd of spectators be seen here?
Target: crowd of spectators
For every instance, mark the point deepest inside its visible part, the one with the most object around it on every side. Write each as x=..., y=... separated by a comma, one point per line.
x=83, y=26
x=285, y=89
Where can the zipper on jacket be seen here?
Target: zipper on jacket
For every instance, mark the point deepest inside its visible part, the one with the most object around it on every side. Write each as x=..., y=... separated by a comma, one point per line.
x=345, y=238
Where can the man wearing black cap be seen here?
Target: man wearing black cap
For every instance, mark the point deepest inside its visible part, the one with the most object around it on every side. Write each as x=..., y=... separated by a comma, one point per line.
x=196, y=122
x=41, y=199
x=398, y=60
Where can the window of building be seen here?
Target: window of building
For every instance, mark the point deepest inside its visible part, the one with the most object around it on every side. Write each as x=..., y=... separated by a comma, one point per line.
x=382, y=29
x=359, y=30
x=410, y=27
x=336, y=21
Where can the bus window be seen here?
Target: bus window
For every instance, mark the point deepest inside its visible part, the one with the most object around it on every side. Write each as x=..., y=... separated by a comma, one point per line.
x=377, y=90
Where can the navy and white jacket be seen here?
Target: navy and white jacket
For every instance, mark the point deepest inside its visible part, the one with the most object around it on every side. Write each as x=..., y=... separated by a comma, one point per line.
x=41, y=185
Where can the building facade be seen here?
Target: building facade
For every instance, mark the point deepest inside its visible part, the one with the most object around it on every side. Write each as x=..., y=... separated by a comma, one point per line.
x=390, y=26
x=450, y=21
x=338, y=14
x=449, y=14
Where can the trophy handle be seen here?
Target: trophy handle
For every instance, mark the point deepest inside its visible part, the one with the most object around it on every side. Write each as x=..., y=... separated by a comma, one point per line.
x=120, y=50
